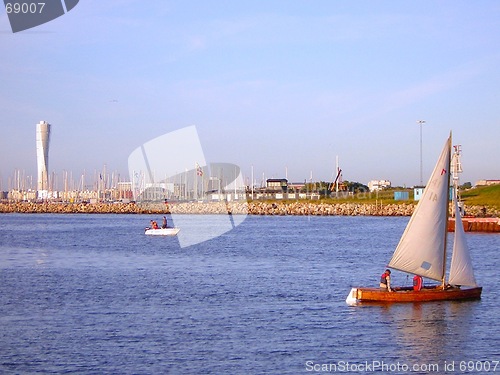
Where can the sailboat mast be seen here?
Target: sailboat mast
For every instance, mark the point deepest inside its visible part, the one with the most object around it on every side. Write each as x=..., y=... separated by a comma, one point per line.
x=447, y=196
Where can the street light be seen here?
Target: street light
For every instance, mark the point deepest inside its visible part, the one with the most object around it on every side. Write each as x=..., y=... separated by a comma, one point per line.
x=421, y=122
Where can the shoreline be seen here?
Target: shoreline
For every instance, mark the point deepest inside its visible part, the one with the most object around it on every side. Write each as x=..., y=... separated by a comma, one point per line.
x=237, y=208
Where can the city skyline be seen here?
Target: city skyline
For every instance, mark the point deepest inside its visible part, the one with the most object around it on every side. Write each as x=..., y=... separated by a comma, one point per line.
x=283, y=88
x=88, y=180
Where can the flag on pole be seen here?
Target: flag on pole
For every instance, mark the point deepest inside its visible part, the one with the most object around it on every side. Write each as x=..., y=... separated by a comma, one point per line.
x=199, y=171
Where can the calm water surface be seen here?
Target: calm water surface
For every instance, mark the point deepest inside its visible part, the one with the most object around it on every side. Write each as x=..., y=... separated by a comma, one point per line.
x=92, y=294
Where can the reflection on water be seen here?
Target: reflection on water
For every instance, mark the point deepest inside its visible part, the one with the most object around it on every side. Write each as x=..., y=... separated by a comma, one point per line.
x=430, y=330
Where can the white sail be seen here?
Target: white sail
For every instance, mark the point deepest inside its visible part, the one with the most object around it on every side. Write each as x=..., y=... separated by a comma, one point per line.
x=422, y=248
x=461, y=272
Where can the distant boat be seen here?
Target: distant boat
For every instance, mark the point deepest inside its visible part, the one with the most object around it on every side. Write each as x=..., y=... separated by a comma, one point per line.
x=161, y=231
x=422, y=248
x=154, y=180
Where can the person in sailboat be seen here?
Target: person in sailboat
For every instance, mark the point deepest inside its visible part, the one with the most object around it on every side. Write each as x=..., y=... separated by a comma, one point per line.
x=164, y=225
x=385, y=281
x=417, y=283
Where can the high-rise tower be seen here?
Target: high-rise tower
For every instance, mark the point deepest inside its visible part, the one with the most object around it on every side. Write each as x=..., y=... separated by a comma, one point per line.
x=42, y=154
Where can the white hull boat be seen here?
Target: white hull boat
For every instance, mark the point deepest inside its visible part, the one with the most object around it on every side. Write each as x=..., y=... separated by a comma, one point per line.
x=161, y=231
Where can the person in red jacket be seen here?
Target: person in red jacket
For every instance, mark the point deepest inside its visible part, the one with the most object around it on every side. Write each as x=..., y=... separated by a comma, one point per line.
x=417, y=283
x=385, y=281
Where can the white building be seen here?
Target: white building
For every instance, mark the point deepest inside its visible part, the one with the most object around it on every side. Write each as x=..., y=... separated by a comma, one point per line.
x=487, y=182
x=42, y=154
x=375, y=185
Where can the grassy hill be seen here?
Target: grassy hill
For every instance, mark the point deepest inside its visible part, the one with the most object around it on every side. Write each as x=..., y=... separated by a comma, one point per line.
x=482, y=196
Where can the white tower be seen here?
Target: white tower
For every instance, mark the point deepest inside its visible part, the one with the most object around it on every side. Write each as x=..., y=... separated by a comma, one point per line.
x=42, y=154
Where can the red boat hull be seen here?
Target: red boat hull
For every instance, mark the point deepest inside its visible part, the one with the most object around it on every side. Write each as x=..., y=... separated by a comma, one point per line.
x=361, y=295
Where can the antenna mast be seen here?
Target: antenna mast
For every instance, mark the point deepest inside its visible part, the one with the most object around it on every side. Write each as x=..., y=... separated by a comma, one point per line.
x=456, y=169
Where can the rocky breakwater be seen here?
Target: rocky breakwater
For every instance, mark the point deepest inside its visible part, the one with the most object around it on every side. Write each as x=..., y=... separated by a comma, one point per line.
x=69, y=208
x=329, y=209
x=481, y=211
x=236, y=208
x=212, y=208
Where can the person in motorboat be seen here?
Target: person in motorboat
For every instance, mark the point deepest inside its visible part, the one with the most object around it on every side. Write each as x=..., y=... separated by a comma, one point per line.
x=154, y=225
x=385, y=281
x=164, y=225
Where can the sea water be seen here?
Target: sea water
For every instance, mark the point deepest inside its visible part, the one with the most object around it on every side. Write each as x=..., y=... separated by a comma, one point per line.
x=92, y=294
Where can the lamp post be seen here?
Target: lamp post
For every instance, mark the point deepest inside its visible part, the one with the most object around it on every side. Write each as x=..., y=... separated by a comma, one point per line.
x=421, y=122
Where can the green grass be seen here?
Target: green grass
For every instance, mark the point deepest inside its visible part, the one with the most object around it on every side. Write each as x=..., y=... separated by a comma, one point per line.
x=482, y=196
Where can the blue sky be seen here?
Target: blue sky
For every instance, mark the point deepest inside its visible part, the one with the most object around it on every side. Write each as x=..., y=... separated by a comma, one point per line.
x=271, y=84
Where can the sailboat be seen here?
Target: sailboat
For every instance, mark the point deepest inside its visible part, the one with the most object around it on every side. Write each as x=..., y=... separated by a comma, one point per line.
x=423, y=246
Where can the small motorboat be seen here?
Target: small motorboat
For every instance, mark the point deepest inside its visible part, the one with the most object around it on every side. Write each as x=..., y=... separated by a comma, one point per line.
x=161, y=231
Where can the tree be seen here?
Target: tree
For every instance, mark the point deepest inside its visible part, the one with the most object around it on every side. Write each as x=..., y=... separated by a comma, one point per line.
x=466, y=186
